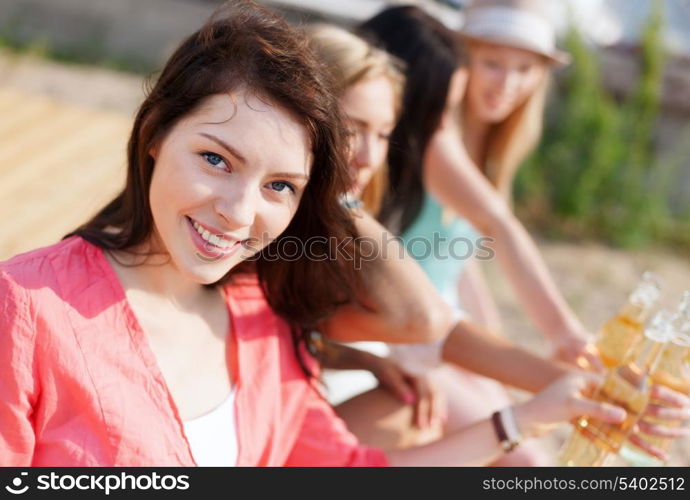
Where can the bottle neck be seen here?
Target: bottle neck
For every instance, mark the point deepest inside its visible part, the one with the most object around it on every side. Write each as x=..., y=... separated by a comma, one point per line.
x=673, y=369
x=635, y=312
x=646, y=356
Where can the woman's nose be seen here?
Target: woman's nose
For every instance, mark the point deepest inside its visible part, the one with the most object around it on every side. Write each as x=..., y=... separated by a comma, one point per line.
x=509, y=80
x=365, y=151
x=238, y=206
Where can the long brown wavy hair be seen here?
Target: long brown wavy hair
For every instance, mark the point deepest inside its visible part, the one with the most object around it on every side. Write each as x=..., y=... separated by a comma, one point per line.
x=243, y=44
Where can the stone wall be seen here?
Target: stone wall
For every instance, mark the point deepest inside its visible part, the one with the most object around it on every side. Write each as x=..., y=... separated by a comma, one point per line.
x=148, y=30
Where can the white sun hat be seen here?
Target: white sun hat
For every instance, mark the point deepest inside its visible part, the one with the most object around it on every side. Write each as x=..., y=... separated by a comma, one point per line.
x=523, y=24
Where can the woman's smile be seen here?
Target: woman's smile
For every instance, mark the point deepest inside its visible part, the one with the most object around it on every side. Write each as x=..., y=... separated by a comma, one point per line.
x=210, y=243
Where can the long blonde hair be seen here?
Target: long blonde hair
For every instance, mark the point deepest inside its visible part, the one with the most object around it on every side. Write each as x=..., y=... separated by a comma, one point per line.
x=351, y=60
x=511, y=141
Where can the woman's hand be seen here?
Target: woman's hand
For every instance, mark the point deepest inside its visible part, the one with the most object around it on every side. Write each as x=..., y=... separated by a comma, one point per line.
x=576, y=348
x=430, y=409
x=428, y=403
x=665, y=416
x=567, y=398
x=562, y=401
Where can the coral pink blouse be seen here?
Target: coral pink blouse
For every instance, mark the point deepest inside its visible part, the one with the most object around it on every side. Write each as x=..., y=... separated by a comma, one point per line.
x=79, y=384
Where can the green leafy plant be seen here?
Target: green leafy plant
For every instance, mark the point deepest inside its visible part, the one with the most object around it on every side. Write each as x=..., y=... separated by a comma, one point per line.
x=596, y=172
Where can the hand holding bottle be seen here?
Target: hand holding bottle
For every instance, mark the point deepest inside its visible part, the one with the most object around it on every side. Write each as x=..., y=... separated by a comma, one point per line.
x=661, y=419
x=576, y=348
x=565, y=399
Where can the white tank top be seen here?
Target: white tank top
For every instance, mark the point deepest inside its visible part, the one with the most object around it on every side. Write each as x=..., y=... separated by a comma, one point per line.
x=213, y=436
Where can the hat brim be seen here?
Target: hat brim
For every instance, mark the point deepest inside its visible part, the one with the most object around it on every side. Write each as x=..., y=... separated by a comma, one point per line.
x=557, y=57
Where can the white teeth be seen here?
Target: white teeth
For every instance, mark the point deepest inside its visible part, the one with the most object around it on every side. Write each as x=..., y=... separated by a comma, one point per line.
x=212, y=238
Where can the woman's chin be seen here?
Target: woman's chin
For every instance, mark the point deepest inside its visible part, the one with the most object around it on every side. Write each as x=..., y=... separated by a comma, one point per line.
x=200, y=270
x=361, y=183
x=494, y=116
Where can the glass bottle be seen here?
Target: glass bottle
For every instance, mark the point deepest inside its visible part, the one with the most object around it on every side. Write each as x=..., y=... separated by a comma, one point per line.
x=622, y=332
x=673, y=371
x=627, y=386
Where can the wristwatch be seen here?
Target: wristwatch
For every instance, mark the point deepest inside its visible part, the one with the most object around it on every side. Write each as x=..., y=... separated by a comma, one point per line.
x=506, y=428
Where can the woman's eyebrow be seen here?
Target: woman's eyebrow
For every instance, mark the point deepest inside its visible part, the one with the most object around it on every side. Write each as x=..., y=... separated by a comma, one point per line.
x=225, y=145
x=291, y=175
x=235, y=153
x=364, y=123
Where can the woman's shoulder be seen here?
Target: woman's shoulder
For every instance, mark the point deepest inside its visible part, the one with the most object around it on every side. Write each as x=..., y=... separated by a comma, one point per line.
x=32, y=285
x=72, y=258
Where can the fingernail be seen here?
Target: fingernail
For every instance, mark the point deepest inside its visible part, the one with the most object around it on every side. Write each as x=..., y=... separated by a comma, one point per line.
x=408, y=398
x=617, y=413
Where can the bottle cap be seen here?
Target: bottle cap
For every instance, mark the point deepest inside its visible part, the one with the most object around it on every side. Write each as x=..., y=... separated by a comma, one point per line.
x=647, y=291
x=662, y=327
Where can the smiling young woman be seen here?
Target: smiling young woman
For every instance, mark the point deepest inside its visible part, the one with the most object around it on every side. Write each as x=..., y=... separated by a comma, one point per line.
x=511, y=51
x=163, y=311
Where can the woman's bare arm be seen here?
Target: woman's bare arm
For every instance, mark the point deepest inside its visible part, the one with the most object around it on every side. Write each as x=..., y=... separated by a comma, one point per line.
x=477, y=444
x=476, y=298
x=451, y=177
x=482, y=352
x=398, y=304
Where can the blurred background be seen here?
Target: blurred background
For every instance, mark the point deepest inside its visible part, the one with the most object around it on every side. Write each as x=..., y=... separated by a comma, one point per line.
x=607, y=193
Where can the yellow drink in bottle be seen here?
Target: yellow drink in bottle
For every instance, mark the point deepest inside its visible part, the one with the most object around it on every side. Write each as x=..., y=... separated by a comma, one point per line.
x=621, y=333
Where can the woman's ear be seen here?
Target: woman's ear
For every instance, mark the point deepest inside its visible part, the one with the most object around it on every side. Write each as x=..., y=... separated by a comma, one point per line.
x=153, y=150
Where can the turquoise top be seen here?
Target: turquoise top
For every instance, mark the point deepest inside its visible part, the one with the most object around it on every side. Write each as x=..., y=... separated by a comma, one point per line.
x=441, y=249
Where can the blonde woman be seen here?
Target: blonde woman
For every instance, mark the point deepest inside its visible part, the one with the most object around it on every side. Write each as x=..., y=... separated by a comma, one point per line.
x=510, y=51
x=369, y=83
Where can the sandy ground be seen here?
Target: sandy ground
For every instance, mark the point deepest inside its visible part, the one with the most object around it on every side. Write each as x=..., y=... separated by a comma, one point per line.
x=81, y=85
x=595, y=279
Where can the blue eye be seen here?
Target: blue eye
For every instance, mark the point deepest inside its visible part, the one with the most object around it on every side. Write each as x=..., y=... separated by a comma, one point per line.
x=280, y=186
x=213, y=159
